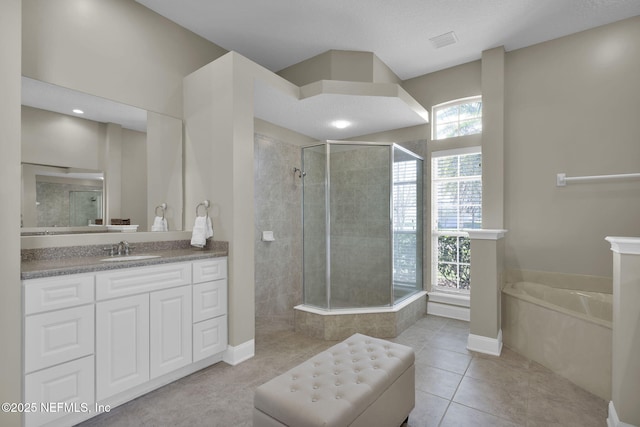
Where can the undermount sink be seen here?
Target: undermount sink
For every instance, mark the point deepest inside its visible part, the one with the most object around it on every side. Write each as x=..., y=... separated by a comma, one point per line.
x=129, y=258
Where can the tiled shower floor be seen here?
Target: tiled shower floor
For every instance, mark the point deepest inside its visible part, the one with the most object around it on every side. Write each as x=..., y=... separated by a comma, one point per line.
x=454, y=387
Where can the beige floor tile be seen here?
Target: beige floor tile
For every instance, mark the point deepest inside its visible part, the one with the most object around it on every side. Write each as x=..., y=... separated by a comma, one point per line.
x=443, y=359
x=508, y=401
x=462, y=416
x=428, y=411
x=497, y=370
x=437, y=381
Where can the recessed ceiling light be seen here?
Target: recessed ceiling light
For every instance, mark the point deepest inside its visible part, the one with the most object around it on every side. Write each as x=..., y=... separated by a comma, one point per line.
x=340, y=124
x=78, y=111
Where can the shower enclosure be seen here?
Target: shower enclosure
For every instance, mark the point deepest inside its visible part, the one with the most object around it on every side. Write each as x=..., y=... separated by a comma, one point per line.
x=362, y=225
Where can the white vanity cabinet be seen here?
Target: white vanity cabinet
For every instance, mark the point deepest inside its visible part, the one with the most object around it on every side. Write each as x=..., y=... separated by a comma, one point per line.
x=58, y=345
x=107, y=337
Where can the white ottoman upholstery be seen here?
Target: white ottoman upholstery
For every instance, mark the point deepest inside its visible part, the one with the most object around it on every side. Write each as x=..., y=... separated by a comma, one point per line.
x=361, y=381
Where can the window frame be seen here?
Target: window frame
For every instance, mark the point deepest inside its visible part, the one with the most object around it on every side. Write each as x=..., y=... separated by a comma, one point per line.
x=435, y=232
x=448, y=104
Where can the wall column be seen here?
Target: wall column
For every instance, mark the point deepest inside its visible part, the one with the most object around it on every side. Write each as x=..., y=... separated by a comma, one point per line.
x=10, y=291
x=487, y=261
x=218, y=119
x=625, y=370
x=492, y=77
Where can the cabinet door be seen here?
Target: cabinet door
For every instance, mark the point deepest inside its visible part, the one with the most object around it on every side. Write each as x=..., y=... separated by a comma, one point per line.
x=122, y=344
x=170, y=330
x=209, y=300
x=209, y=337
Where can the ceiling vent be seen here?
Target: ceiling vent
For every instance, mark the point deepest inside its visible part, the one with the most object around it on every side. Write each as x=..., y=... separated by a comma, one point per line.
x=444, y=39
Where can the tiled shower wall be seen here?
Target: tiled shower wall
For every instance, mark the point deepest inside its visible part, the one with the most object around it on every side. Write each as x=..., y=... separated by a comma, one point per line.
x=278, y=198
x=55, y=206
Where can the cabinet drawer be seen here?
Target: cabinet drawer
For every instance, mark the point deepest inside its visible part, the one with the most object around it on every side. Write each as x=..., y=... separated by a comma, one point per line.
x=208, y=270
x=57, y=337
x=70, y=383
x=209, y=337
x=209, y=300
x=53, y=293
x=132, y=281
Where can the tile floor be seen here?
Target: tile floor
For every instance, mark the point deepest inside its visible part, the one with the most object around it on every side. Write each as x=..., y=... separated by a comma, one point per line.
x=454, y=387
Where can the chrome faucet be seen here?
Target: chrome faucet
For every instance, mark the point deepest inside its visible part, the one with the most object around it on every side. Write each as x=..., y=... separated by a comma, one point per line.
x=123, y=248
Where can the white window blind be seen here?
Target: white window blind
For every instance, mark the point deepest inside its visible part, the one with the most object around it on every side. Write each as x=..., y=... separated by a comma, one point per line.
x=405, y=221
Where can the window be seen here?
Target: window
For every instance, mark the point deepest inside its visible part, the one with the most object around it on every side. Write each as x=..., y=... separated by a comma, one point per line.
x=457, y=118
x=407, y=218
x=456, y=193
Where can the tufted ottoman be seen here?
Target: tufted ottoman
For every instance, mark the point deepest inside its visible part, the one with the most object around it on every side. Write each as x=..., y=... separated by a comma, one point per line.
x=361, y=381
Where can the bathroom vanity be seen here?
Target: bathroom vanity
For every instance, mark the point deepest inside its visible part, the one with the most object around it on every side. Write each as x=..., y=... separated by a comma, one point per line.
x=99, y=333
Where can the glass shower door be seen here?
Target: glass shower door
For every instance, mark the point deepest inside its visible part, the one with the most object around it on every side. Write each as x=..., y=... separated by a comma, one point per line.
x=314, y=195
x=360, y=240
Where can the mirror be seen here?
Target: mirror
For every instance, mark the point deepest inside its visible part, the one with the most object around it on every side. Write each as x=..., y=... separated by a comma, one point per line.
x=61, y=197
x=79, y=168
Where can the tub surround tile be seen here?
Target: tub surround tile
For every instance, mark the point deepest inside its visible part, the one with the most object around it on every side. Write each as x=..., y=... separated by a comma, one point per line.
x=575, y=349
x=561, y=280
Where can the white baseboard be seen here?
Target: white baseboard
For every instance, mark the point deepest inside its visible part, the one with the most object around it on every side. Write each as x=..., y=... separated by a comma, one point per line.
x=448, y=310
x=238, y=354
x=486, y=345
x=613, y=420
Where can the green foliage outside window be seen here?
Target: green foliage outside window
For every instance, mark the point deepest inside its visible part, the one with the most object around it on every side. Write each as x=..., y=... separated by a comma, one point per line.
x=454, y=257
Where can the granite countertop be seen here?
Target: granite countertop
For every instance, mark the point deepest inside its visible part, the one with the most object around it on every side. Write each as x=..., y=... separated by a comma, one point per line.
x=34, y=267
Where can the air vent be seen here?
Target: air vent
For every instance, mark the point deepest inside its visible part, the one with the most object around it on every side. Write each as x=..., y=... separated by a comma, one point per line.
x=444, y=39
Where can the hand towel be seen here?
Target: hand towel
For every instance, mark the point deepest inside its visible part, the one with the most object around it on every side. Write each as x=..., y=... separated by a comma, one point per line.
x=159, y=224
x=202, y=230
